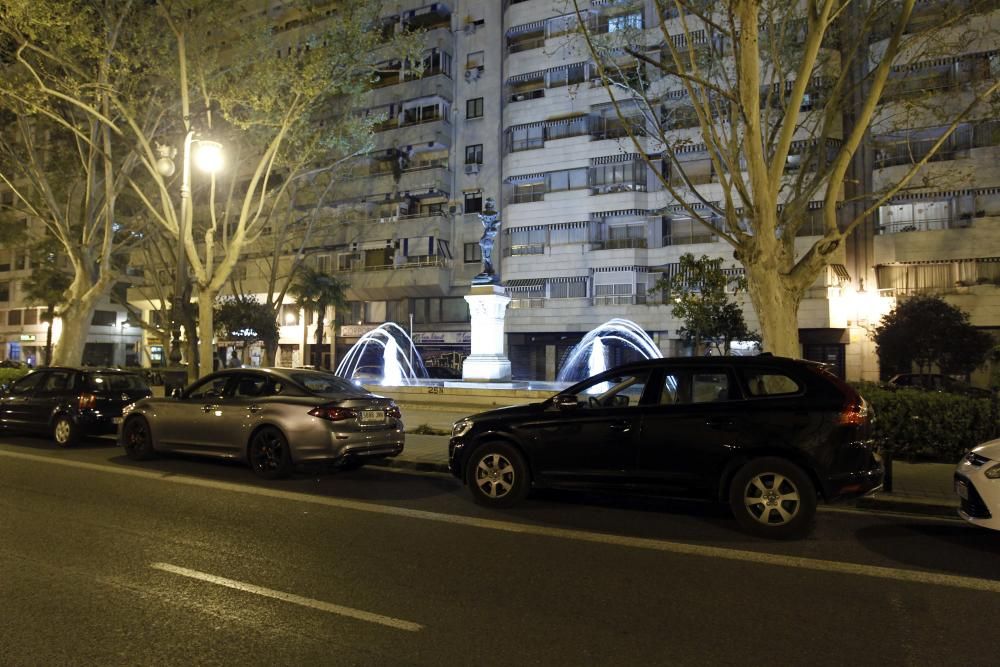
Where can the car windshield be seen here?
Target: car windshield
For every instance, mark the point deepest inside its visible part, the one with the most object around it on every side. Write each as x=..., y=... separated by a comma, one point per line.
x=117, y=382
x=324, y=383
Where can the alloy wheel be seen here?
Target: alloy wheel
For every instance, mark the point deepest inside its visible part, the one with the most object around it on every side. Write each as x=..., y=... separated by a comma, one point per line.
x=268, y=452
x=495, y=475
x=772, y=499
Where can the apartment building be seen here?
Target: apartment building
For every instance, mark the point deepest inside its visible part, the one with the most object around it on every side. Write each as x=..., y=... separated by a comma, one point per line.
x=509, y=106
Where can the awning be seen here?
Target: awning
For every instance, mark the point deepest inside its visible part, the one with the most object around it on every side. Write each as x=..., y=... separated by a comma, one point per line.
x=530, y=76
x=525, y=178
x=621, y=213
x=840, y=271
x=568, y=279
x=526, y=27
x=616, y=158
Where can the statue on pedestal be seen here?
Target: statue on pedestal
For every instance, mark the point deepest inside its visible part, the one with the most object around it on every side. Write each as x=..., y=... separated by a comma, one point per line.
x=491, y=225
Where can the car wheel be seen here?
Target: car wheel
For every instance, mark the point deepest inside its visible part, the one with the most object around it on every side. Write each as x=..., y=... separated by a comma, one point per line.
x=137, y=440
x=64, y=431
x=269, y=455
x=774, y=498
x=497, y=475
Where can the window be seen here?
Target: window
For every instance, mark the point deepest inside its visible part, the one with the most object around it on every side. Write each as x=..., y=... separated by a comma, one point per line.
x=625, y=21
x=27, y=384
x=104, y=318
x=763, y=383
x=323, y=263
x=473, y=253
x=5, y=263
x=526, y=138
x=209, y=388
x=474, y=108
x=670, y=391
x=31, y=316
x=13, y=317
x=57, y=381
x=454, y=310
x=476, y=60
x=21, y=261
x=289, y=314
x=473, y=202
x=569, y=179
x=474, y=154
x=528, y=192
x=575, y=289
x=615, y=391
x=710, y=387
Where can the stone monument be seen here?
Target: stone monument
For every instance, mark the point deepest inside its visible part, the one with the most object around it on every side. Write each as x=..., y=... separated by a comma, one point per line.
x=487, y=306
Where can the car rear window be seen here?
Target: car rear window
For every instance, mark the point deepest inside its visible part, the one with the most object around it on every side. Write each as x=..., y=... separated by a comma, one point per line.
x=116, y=382
x=324, y=383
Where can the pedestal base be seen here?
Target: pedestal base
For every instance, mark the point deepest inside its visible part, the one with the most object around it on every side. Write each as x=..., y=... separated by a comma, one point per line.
x=487, y=307
x=486, y=368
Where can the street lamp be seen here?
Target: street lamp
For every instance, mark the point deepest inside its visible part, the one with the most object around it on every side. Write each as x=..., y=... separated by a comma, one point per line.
x=209, y=159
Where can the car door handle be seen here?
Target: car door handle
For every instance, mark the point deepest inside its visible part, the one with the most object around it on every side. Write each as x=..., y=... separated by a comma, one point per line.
x=719, y=422
x=621, y=427
x=254, y=408
x=209, y=408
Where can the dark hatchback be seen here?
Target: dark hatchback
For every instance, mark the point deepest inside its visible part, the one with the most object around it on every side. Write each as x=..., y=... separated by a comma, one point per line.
x=70, y=403
x=769, y=436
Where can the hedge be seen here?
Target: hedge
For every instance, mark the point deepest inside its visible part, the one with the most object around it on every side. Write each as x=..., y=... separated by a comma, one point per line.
x=918, y=425
x=8, y=375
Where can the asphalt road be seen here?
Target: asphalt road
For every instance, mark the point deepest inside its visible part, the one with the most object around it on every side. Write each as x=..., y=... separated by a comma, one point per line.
x=178, y=561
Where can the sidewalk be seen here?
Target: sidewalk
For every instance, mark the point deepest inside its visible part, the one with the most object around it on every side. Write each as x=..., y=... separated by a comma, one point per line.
x=918, y=488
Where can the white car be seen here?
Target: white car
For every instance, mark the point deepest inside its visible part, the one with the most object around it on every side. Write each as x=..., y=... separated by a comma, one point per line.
x=977, y=483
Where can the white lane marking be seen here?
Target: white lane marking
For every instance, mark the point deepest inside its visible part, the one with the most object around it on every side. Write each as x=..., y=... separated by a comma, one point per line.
x=399, y=624
x=743, y=556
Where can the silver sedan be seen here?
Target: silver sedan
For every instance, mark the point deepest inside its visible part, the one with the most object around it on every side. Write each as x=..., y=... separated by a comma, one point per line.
x=270, y=418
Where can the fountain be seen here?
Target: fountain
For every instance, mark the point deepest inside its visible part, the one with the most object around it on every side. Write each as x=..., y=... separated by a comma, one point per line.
x=590, y=356
x=401, y=364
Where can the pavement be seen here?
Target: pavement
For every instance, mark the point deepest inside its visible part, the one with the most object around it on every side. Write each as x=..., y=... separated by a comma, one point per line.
x=917, y=488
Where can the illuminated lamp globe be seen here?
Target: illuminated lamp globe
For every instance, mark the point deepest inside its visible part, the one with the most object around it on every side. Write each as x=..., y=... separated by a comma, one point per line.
x=208, y=156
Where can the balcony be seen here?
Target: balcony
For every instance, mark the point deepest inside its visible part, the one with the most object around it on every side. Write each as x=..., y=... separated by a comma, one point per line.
x=410, y=277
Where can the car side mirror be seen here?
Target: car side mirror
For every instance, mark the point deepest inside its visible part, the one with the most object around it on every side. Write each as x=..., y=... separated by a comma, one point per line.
x=566, y=402
x=176, y=392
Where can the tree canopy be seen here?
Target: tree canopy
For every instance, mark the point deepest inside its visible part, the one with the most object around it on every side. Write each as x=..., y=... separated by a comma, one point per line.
x=700, y=294
x=926, y=331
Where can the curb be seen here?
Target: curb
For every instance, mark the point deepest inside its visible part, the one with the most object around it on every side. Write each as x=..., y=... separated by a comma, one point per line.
x=408, y=464
x=917, y=507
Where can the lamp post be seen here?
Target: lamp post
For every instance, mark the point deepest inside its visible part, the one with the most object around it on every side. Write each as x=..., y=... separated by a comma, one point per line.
x=209, y=159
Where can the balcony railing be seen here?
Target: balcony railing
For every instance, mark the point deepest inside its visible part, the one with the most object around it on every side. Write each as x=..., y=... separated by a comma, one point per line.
x=619, y=299
x=617, y=244
x=406, y=263
x=527, y=302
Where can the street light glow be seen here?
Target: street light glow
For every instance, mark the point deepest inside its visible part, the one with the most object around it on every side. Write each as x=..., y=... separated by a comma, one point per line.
x=208, y=156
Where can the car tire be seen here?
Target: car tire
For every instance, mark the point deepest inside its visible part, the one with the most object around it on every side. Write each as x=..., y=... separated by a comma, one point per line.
x=497, y=475
x=65, y=432
x=137, y=439
x=772, y=497
x=269, y=454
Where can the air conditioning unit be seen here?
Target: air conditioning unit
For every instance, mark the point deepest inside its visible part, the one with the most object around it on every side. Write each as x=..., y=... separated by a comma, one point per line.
x=472, y=169
x=472, y=74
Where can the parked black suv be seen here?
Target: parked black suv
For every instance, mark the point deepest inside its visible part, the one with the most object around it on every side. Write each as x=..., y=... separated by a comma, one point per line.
x=69, y=403
x=767, y=435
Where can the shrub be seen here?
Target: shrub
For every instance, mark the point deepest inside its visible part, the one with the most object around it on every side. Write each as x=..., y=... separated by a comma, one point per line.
x=8, y=375
x=913, y=424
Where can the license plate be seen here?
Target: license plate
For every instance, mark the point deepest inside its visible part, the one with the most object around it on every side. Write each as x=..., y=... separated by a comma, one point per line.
x=116, y=420
x=962, y=489
x=370, y=416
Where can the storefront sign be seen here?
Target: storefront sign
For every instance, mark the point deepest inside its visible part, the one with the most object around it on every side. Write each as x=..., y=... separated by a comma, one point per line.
x=442, y=337
x=355, y=330
x=28, y=338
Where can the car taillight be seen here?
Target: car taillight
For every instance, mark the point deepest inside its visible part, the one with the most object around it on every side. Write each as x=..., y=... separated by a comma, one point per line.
x=85, y=401
x=855, y=412
x=393, y=411
x=333, y=413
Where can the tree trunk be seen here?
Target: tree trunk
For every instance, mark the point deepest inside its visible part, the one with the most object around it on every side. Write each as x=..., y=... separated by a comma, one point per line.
x=777, y=305
x=191, y=340
x=318, y=348
x=50, y=311
x=206, y=327
x=76, y=318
